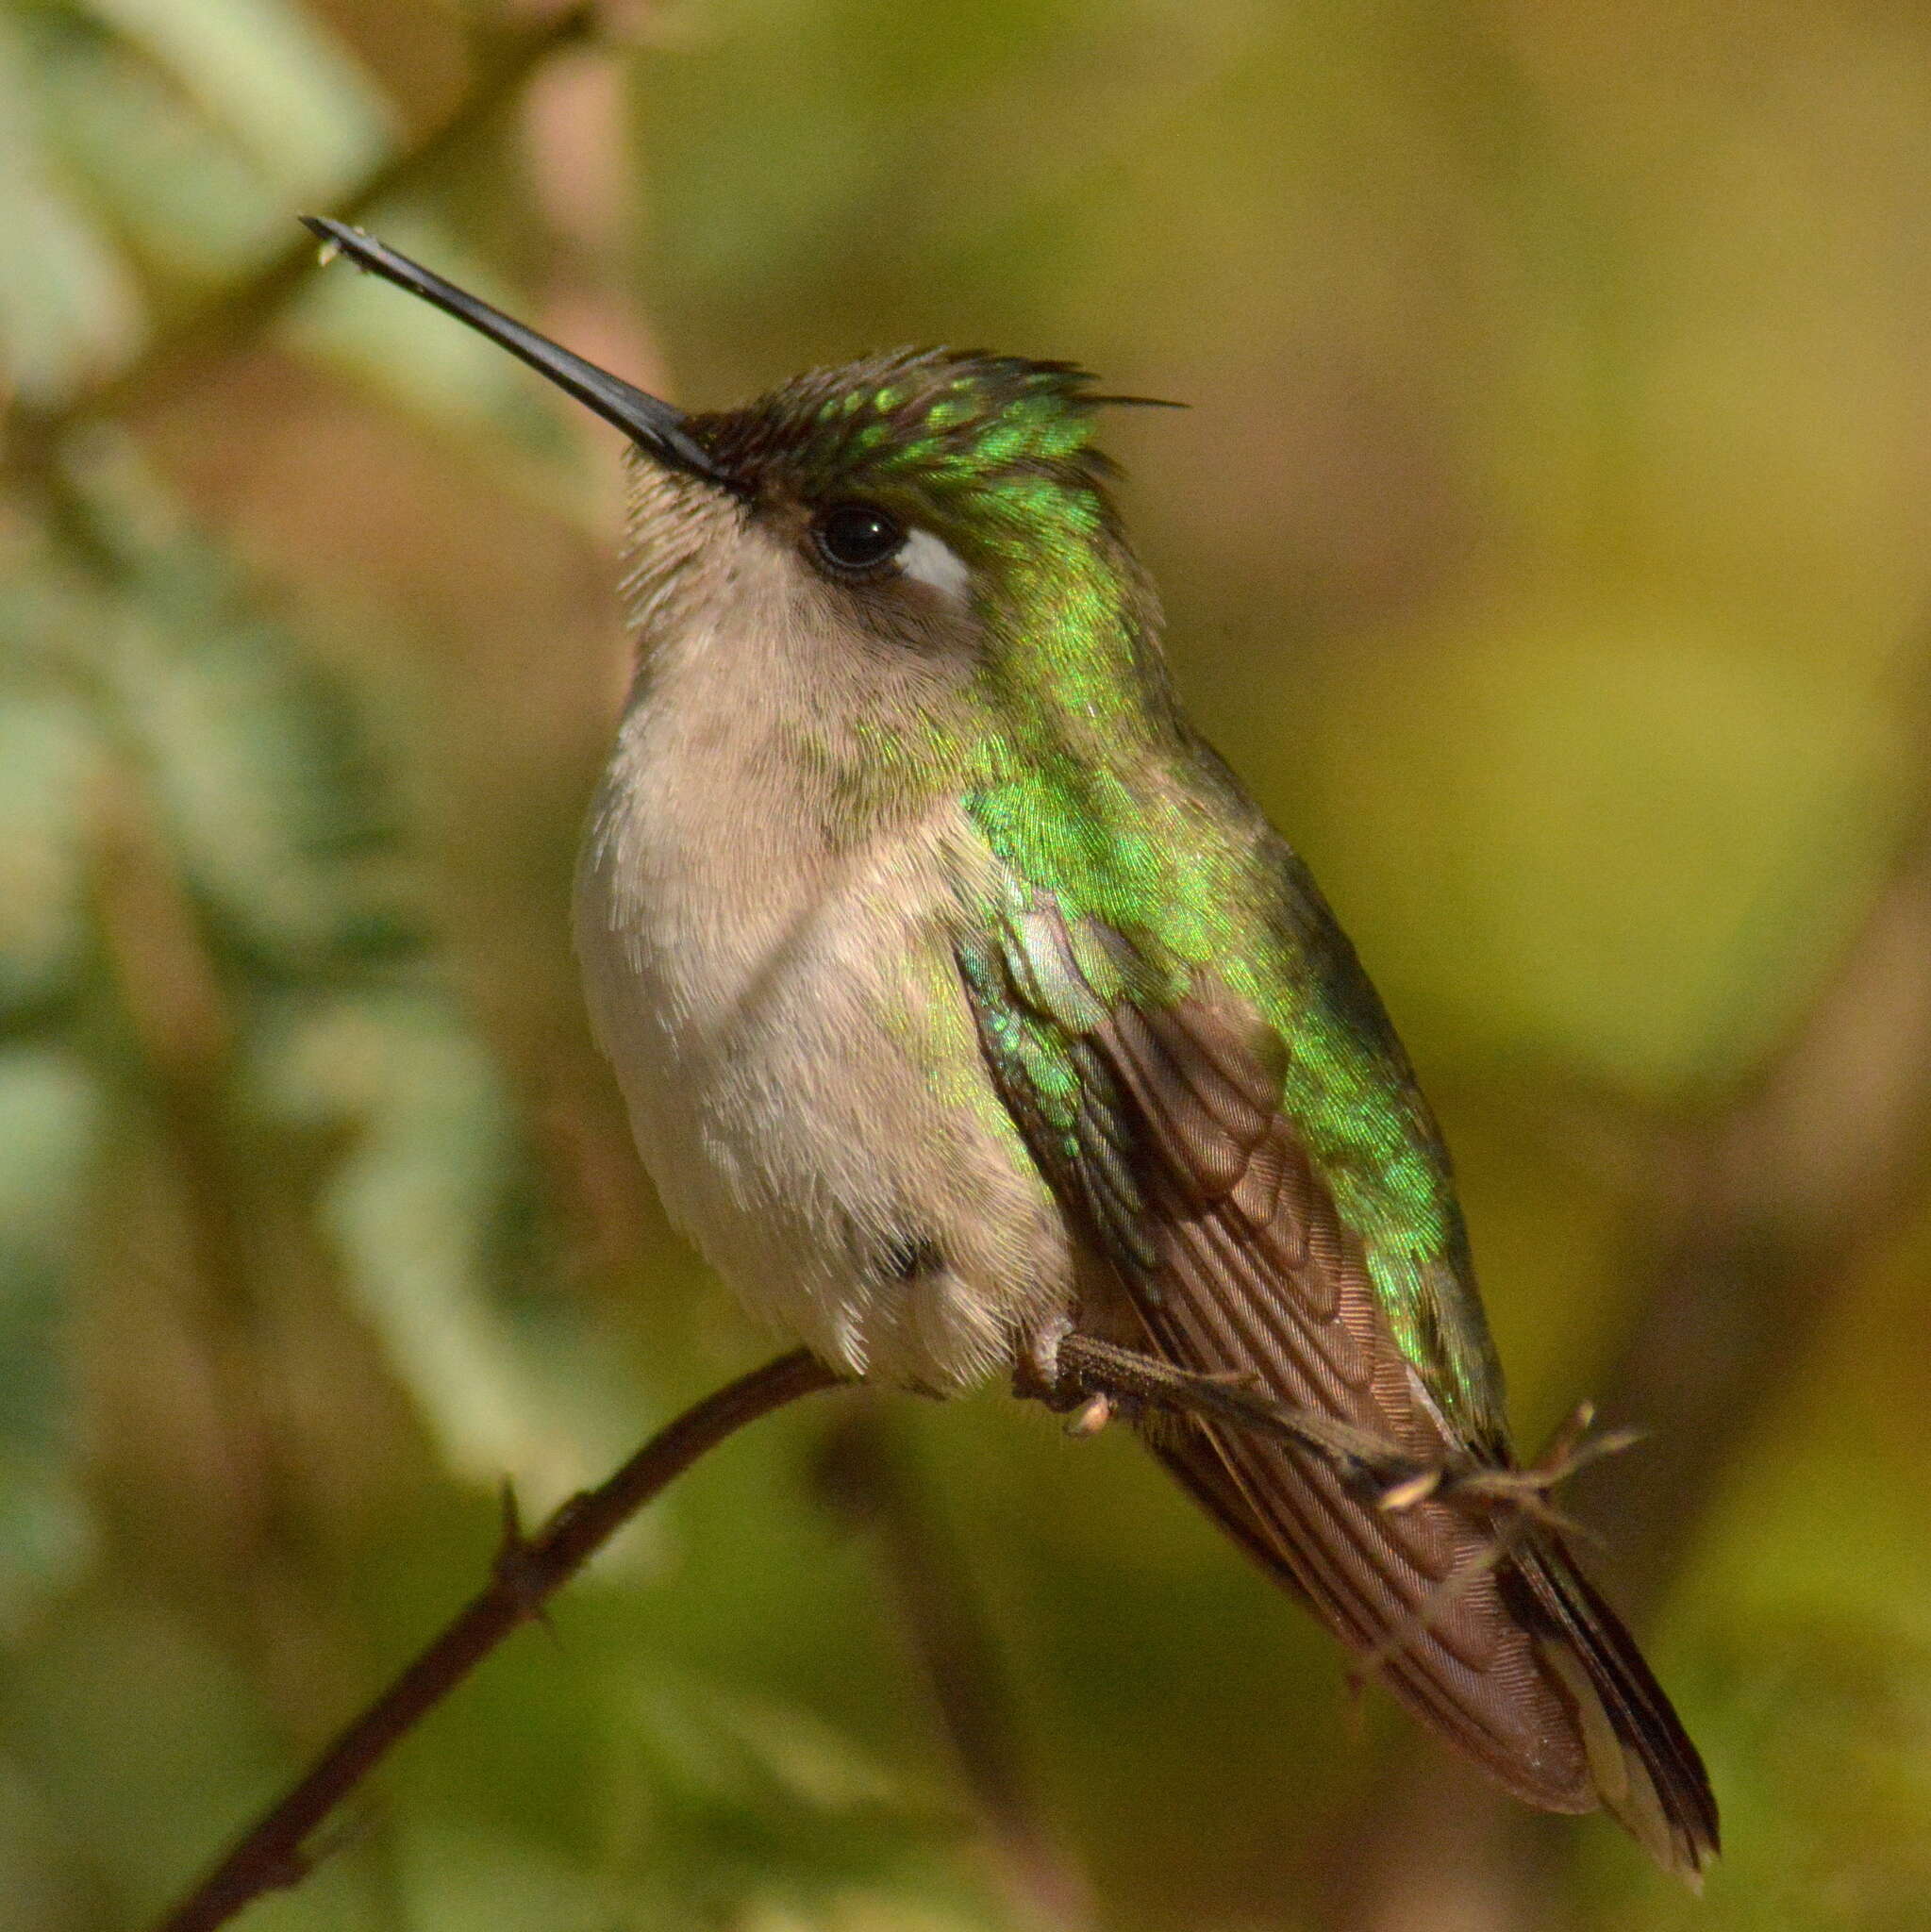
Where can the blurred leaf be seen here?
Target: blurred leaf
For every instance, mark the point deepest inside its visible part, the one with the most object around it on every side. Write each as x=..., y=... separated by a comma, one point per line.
x=459, y=1880
x=255, y=757
x=50, y=1120
x=53, y=761
x=424, y=1207
x=274, y=74
x=69, y=310
x=259, y=768
x=746, y=1800
x=706, y=1738
x=189, y=201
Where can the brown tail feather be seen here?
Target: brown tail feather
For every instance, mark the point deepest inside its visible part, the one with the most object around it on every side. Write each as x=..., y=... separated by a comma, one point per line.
x=1645, y=1767
x=1634, y=1755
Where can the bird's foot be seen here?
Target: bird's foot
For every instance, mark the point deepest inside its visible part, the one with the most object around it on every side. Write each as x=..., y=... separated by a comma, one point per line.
x=1526, y=1490
x=1038, y=1376
x=1091, y=1416
x=1091, y=1381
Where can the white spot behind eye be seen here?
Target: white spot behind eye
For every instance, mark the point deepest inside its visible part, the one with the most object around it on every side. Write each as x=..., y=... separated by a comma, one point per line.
x=933, y=562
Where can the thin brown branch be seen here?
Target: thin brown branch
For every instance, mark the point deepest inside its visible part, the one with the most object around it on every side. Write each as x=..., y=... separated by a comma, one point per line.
x=242, y=311
x=526, y=1574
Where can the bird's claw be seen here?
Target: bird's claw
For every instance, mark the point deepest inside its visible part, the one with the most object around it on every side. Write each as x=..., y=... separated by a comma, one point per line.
x=1091, y=1416
x=1091, y=1382
x=1526, y=1489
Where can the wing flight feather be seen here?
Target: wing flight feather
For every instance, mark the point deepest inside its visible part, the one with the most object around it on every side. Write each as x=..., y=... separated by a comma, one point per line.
x=1168, y=1141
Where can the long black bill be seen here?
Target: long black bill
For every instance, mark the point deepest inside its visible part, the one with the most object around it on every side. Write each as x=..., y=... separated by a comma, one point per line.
x=652, y=424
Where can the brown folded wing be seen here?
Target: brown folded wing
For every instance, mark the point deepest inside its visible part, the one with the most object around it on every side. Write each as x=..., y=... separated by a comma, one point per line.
x=1193, y=1182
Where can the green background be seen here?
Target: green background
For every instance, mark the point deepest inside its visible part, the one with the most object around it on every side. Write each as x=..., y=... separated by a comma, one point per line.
x=1546, y=543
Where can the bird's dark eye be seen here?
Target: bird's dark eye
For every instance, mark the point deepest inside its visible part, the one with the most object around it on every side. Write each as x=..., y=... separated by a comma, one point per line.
x=855, y=539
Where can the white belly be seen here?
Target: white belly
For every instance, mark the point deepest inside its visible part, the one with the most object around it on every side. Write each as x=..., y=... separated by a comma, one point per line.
x=803, y=1074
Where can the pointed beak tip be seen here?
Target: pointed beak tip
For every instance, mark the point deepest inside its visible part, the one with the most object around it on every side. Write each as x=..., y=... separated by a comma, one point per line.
x=339, y=239
x=324, y=232
x=655, y=427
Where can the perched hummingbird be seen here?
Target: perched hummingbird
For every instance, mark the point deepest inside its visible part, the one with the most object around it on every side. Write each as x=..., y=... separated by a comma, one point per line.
x=968, y=1010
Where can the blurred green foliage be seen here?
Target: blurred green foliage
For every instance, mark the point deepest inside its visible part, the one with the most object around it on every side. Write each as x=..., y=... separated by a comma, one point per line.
x=1546, y=542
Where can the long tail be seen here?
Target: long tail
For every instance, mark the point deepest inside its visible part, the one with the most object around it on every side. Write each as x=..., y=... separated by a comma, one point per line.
x=1566, y=1714
x=1646, y=1770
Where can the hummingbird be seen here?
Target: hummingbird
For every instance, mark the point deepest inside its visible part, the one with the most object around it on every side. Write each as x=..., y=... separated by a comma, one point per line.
x=972, y=1019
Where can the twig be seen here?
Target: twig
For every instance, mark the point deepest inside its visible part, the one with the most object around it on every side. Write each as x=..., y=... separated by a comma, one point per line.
x=526, y=1574
x=242, y=311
